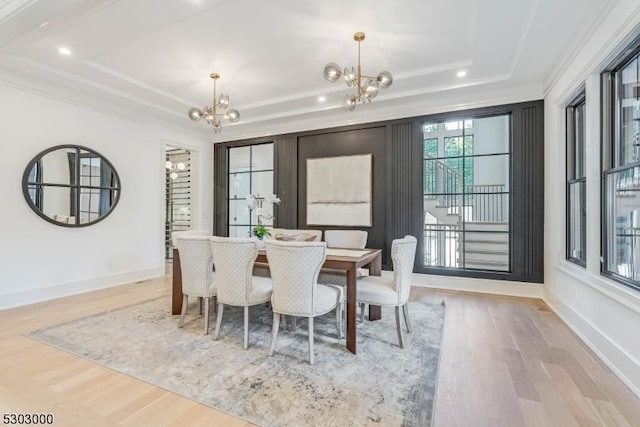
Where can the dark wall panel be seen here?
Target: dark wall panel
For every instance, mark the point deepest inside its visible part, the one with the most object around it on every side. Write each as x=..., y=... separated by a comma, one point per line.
x=397, y=182
x=220, y=190
x=404, y=184
x=528, y=194
x=347, y=143
x=286, y=181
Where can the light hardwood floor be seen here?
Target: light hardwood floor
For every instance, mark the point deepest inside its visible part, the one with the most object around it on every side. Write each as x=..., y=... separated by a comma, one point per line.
x=505, y=362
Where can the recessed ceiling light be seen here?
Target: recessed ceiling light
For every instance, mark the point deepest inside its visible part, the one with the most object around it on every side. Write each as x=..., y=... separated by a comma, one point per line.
x=64, y=51
x=44, y=24
x=322, y=98
x=461, y=73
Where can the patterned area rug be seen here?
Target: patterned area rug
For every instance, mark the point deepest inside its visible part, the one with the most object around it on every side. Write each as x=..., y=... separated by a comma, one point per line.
x=381, y=385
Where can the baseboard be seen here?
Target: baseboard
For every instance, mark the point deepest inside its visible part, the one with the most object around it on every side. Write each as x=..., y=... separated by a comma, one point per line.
x=484, y=286
x=31, y=296
x=625, y=366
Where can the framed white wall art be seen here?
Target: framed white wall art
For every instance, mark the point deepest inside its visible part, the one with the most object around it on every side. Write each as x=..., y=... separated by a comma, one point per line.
x=339, y=191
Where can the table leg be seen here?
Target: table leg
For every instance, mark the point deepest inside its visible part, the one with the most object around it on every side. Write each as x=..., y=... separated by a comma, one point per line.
x=375, y=269
x=176, y=291
x=351, y=309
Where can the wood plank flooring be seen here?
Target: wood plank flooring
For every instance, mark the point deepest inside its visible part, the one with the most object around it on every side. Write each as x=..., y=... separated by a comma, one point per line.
x=505, y=362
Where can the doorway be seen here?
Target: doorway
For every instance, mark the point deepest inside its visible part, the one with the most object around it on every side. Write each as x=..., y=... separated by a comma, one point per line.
x=178, y=168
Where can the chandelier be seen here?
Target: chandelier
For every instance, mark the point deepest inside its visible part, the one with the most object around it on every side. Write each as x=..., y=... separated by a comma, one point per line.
x=210, y=113
x=365, y=91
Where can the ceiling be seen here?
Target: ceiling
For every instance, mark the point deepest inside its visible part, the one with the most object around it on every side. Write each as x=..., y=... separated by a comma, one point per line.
x=150, y=60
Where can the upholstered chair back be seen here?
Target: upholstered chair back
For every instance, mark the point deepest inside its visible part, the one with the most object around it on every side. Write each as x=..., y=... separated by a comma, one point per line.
x=196, y=262
x=294, y=272
x=288, y=234
x=348, y=239
x=176, y=234
x=234, y=259
x=403, y=253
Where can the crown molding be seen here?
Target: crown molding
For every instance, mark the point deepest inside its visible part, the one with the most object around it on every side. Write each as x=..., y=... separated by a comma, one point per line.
x=37, y=87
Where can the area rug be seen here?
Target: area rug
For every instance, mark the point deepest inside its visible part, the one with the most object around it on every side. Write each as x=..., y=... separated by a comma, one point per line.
x=381, y=385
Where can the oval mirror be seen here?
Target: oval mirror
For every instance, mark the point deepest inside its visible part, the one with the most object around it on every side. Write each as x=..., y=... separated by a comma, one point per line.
x=71, y=186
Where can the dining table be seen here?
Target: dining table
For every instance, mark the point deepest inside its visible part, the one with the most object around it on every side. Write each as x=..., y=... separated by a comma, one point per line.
x=347, y=260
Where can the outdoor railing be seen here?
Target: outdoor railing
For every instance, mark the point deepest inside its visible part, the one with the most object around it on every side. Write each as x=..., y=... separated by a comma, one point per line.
x=441, y=244
x=628, y=252
x=489, y=202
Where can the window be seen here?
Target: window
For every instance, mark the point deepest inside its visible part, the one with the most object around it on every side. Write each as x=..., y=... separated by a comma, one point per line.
x=576, y=183
x=621, y=171
x=466, y=171
x=250, y=172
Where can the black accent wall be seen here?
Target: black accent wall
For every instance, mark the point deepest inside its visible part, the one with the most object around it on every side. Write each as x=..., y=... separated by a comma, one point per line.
x=396, y=147
x=348, y=143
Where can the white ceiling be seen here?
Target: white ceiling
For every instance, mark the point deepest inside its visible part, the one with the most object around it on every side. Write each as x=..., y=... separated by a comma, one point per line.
x=151, y=59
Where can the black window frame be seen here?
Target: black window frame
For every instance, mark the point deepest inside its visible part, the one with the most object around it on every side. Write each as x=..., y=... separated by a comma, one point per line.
x=611, y=127
x=463, y=269
x=250, y=174
x=573, y=178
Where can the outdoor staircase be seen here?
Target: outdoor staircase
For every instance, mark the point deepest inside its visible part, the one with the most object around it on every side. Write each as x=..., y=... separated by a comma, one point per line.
x=441, y=214
x=475, y=244
x=486, y=245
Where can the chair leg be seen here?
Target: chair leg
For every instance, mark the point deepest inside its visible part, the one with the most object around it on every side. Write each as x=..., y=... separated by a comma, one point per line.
x=310, y=340
x=339, y=319
x=274, y=333
x=206, y=315
x=283, y=318
x=361, y=312
x=246, y=327
x=399, y=327
x=216, y=332
x=200, y=305
x=293, y=323
x=185, y=301
x=407, y=321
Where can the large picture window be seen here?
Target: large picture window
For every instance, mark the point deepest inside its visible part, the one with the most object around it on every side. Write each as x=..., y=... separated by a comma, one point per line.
x=466, y=180
x=576, y=183
x=250, y=171
x=621, y=170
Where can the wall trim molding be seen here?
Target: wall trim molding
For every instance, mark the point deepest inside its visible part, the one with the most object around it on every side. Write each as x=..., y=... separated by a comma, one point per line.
x=484, y=286
x=624, y=365
x=611, y=289
x=409, y=109
x=32, y=296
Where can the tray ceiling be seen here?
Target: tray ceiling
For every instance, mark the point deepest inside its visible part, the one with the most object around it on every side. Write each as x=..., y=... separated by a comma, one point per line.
x=150, y=59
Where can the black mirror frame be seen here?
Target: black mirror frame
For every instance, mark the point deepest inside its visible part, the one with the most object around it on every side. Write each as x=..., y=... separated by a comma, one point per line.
x=27, y=196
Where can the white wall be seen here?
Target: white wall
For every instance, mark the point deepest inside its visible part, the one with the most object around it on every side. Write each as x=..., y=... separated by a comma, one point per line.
x=39, y=260
x=604, y=314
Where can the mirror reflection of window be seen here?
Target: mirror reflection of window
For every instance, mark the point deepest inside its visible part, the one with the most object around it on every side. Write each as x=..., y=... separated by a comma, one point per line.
x=71, y=185
x=35, y=191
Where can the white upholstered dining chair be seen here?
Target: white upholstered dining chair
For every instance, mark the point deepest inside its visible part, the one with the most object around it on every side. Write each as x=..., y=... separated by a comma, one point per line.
x=348, y=239
x=196, y=261
x=343, y=239
x=296, y=292
x=234, y=259
x=393, y=292
x=289, y=234
x=197, y=232
x=176, y=234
